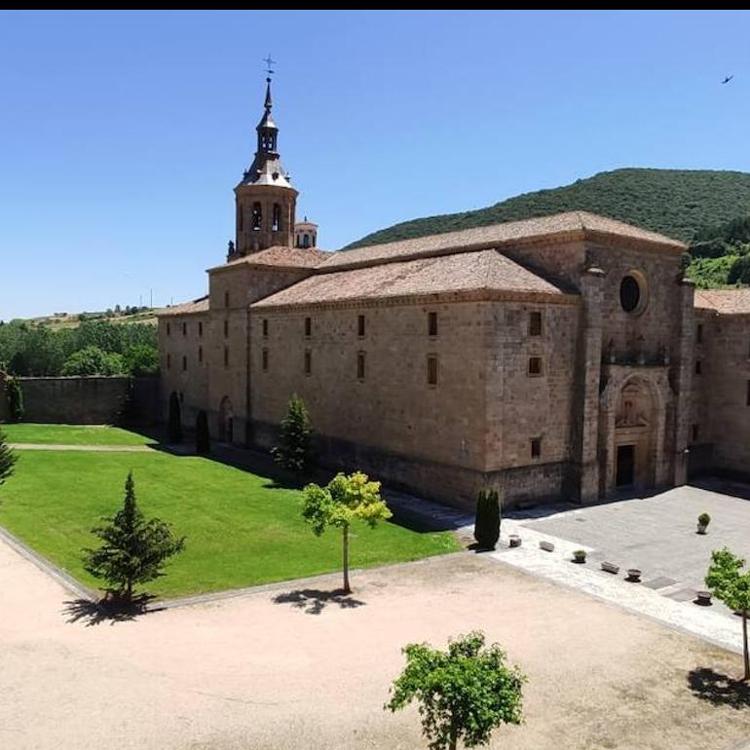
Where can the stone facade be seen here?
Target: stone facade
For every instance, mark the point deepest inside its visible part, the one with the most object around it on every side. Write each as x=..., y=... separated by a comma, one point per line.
x=551, y=358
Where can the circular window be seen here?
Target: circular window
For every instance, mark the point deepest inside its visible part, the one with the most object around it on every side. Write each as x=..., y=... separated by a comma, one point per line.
x=632, y=293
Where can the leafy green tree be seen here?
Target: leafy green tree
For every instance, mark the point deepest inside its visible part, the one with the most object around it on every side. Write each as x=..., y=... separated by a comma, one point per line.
x=174, y=422
x=294, y=451
x=14, y=394
x=342, y=501
x=142, y=359
x=93, y=361
x=7, y=459
x=202, y=436
x=730, y=583
x=464, y=693
x=739, y=273
x=487, y=520
x=133, y=550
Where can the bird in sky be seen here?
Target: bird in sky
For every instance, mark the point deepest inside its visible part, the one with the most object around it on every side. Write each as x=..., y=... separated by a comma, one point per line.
x=728, y=79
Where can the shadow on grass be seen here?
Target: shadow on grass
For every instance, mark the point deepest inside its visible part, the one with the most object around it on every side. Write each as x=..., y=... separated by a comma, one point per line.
x=314, y=601
x=719, y=689
x=107, y=610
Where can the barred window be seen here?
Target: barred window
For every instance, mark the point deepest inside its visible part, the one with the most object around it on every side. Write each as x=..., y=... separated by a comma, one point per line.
x=535, y=323
x=361, y=326
x=432, y=369
x=264, y=360
x=432, y=324
x=535, y=366
x=308, y=362
x=536, y=447
x=308, y=327
x=360, y=365
x=265, y=327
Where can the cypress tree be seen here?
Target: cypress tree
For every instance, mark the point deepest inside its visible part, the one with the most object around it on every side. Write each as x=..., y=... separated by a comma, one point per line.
x=133, y=549
x=15, y=400
x=487, y=520
x=294, y=449
x=174, y=426
x=202, y=437
x=7, y=459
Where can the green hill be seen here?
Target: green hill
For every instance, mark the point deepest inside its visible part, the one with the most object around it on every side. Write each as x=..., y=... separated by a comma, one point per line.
x=678, y=203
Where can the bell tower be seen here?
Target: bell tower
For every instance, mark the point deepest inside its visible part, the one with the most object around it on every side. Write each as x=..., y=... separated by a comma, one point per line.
x=265, y=199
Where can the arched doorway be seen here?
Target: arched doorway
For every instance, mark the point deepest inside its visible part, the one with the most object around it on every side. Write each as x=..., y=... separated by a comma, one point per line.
x=634, y=439
x=226, y=421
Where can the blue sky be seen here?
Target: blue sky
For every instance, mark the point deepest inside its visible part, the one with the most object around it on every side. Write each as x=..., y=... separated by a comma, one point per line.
x=123, y=134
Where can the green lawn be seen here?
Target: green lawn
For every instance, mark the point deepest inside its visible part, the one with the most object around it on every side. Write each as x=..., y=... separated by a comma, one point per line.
x=241, y=528
x=66, y=434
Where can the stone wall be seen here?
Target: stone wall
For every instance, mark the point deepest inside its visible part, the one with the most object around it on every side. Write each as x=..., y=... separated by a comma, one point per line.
x=90, y=400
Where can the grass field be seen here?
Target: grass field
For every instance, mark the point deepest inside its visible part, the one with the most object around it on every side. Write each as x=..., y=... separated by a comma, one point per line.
x=241, y=529
x=64, y=434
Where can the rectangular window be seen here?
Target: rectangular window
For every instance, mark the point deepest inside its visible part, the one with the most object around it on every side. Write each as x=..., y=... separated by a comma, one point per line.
x=264, y=360
x=200, y=329
x=226, y=329
x=184, y=329
x=432, y=369
x=535, y=366
x=226, y=299
x=308, y=327
x=536, y=447
x=169, y=330
x=432, y=324
x=699, y=333
x=226, y=356
x=535, y=324
x=747, y=400
x=698, y=367
x=695, y=433
x=200, y=354
x=265, y=328
x=184, y=363
x=360, y=365
x=169, y=361
x=361, y=326
x=308, y=362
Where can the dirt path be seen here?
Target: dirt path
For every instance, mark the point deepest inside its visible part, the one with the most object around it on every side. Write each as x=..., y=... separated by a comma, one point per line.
x=287, y=668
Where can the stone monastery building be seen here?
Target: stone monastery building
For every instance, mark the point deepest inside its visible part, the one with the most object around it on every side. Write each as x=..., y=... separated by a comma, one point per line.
x=556, y=357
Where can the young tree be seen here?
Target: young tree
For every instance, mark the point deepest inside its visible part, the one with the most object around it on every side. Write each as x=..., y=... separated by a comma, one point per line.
x=487, y=520
x=93, y=361
x=15, y=400
x=464, y=693
x=7, y=459
x=294, y=449
x=202, y=437
x=174, y=424
x=133, y=548
x=339, y=503
x=728, y=582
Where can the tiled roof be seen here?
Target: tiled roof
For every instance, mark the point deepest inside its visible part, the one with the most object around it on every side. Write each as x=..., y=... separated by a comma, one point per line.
x=574, y=224
x=724, y=301
x=186, y=308
x=281, y=257
x=485, y=270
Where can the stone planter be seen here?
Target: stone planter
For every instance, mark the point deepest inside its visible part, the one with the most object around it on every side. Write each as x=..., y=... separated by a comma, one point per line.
x=609, y=567
x=703, y=598
x=514, y=540
x=634, y=575
x=547, y=546
x=579, y=556
x=702, y=528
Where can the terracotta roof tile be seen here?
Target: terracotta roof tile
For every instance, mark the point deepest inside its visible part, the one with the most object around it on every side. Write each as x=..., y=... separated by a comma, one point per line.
x=573, y=223
x=485, y=270
x=282, y=257
x=186, y=308
x=724, y=301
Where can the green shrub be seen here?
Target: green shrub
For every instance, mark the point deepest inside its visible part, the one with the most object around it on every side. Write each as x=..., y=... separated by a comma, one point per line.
x=294, y=451
x=704, y=519
x=487, y=521
x=15, y=400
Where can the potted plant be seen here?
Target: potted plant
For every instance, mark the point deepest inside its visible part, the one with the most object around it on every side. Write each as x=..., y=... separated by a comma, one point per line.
x=634, y=575
x=703, y=520
x=579, y=556
x=515, y=540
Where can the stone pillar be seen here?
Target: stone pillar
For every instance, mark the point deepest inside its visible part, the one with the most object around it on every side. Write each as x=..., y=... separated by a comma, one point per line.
x=683, y=381
x=589, y=373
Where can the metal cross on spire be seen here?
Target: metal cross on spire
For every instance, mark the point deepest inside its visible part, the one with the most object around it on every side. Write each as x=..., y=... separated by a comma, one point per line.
x=269, y=61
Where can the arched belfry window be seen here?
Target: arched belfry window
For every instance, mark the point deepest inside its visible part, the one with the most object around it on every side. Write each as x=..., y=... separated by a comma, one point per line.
x=276, y=218
x=257, y=216
x=306, y=240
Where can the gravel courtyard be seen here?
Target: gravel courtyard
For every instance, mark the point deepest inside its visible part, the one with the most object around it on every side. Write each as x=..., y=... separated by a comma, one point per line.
x=292, y=666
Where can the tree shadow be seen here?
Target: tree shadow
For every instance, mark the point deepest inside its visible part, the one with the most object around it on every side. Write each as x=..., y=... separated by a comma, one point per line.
x=109, y=610
x=314, y=601
x=719, y=689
